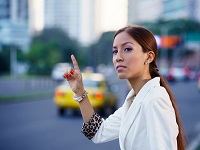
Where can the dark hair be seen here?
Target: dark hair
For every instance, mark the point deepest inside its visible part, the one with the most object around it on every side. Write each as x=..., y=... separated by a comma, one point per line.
x=148, y=43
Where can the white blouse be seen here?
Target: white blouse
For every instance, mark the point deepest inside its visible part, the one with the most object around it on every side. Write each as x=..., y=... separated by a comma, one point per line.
x=149, y=123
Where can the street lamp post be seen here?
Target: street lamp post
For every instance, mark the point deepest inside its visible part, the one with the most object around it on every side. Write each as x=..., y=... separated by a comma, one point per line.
x=13, y=60
x=165, y=53
x=14, y=35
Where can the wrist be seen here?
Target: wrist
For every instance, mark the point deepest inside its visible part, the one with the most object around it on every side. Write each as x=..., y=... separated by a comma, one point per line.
x=80, y=98
x=80, y=92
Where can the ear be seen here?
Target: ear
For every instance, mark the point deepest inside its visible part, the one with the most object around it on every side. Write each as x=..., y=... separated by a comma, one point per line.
x=150, y=56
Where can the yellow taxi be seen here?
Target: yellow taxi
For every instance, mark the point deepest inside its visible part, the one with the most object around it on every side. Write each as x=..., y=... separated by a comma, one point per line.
x=99, y=94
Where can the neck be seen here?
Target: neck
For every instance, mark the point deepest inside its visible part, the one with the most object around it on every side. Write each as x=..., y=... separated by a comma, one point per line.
x=137, y=84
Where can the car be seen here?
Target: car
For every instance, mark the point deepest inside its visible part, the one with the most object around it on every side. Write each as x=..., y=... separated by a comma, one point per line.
x=163, y=70
x=100, y=95
x=178, y=73
x=58, y=70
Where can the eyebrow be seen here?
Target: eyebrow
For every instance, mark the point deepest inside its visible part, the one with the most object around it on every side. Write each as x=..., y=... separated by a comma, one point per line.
x=124, y=44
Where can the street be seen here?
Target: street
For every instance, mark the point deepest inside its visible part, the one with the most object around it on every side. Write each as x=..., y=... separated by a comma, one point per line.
x=35, y=124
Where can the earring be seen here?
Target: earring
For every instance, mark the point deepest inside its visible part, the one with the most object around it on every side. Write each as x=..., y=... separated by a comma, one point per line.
x=145, y=63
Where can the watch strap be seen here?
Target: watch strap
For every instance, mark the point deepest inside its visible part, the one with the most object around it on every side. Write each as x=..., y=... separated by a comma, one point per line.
x=80, y=98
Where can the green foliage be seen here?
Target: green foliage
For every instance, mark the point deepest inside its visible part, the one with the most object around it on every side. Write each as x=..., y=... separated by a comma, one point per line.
x=21, y=56
x=48, y=48
x=42, y=57
x=174, y=27
x=4, y=60
x=5, y=57
x=101, y=51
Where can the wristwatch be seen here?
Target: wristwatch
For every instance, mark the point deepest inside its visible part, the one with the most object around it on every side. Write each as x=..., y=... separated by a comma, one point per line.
x=80, y=98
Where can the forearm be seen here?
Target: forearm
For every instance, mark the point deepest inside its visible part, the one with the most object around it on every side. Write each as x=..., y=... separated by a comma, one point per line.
x=92, y=121
x=86, y=109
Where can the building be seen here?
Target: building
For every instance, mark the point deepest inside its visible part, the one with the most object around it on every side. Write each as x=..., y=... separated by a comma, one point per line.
x=36, y=16
x=82, y=20
x=14, y=10
x=144, y=11
x=188, y=9
x=78, y=18
x=14, y=30
x=14, y=23
x=150, y=11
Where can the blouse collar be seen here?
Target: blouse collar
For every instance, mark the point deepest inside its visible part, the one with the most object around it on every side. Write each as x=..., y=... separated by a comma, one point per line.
x=153, y=82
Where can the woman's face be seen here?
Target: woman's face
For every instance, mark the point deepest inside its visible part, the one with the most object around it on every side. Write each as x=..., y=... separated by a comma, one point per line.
x=128, y=57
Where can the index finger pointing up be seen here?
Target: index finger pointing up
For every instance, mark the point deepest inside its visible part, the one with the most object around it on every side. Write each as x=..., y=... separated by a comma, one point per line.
x=75, y=63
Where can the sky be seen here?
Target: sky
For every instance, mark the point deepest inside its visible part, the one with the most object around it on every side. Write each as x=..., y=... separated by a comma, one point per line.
x=38, y=17
x=114, y=14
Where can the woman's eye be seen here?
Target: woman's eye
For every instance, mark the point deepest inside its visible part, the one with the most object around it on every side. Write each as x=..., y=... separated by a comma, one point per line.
x=128, y=49
x=115, y=51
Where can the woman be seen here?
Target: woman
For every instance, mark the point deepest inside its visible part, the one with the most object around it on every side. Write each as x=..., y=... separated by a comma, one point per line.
x=149, y=118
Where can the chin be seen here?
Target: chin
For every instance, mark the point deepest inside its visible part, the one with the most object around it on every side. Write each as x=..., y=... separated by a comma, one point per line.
x=121, y=76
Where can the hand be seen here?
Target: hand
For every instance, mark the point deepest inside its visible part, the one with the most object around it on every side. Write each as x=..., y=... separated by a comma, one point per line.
x=74, y=78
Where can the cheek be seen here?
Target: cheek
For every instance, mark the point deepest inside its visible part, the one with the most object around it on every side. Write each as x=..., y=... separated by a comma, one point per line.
x=113, y=60
x=135, y=62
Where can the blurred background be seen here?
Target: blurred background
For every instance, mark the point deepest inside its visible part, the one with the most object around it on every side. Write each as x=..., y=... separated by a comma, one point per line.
x=37, y=38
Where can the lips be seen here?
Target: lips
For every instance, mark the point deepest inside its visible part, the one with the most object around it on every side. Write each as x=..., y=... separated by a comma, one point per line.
x=119, y=67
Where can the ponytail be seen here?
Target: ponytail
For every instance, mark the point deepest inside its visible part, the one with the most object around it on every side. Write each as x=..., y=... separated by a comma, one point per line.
x=181, y=136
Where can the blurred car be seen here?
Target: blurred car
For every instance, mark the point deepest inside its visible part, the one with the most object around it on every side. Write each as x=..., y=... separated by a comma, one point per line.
x=163, y=71
x=178, y=73
x=58, y=71
x=99, y=94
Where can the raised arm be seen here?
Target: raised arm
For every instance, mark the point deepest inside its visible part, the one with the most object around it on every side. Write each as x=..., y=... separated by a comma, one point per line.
x=74, y=78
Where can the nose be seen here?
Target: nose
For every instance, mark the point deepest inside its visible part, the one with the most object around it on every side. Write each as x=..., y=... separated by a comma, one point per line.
x=119, y=57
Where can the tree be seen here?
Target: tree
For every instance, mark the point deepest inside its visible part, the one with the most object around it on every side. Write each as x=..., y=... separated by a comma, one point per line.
x=48, y=48
x=101, y=51
x=174, y=27
x=4, y=59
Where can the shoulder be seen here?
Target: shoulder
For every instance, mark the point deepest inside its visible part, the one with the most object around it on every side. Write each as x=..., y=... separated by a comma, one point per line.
x=158, y=92
x=157, y=97
x=152, y=90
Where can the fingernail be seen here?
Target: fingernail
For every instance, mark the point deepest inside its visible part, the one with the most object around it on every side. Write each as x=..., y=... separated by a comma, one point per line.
x=64, y=76
x=71, y=72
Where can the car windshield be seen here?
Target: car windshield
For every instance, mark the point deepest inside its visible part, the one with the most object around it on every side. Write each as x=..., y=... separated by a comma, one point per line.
x=62, y=66
x=86, y=83
x=91, y=83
